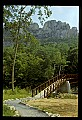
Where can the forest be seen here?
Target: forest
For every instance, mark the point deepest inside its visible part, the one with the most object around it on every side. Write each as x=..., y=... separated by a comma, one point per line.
x=35, y=61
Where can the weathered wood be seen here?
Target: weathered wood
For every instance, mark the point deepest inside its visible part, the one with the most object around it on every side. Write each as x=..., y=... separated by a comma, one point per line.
x=50, y=88
x=48, y=83
x=54, y=81
x=53, y=87
x=47, y=92
x=39, y=88
x=45, y=85
x=32, y=93
x=36, y=91
x=44, y=94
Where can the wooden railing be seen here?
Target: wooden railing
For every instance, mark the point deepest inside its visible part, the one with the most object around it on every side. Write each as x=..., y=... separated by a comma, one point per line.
x=41, y=87
x=72, y=76
x=52, y=84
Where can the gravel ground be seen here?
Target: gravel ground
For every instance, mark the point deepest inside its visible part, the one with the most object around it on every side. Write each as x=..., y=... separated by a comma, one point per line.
x=26, y=111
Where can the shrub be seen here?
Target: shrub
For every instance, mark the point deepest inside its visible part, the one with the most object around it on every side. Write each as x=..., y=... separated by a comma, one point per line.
x=17, y=93
x=7, y=111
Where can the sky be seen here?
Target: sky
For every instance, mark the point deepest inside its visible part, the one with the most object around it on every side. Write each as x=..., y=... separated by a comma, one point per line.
x=68, y=14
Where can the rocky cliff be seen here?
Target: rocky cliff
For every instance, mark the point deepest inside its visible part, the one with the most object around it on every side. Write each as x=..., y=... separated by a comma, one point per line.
x=53, y=29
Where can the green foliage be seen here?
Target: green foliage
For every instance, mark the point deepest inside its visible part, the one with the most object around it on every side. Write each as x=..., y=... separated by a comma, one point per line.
x=17, y=93
x=63, y=96
x=7, y=111
x=8, y=53
x=63, y=48
x=49, y=72
x=13, y=12
x=73, y=58
x=33, y=62
x=72, y=42
x=16, y=20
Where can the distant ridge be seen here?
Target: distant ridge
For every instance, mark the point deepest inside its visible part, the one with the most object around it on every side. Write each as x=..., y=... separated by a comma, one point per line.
x=52, y=30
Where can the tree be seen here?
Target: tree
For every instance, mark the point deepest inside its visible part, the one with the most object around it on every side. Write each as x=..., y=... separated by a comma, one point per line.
x=8, y=56
x=63, y=48
x=15, y=17
x=73, y=58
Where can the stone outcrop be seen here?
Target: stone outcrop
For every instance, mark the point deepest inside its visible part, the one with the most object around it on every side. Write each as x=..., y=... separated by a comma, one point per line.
x=53, y=29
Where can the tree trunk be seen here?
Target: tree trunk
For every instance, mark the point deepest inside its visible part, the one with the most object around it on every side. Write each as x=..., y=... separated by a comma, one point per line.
x=16, y=49
x=15, y=57
x=14, y=66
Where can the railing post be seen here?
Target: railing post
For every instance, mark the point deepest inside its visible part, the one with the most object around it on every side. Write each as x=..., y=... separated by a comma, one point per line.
x=61, y=79
x=44, y=94
x=39, y=88
x=36, y=91
x=60, y=76
x=47, y=91
x=42, y=86
x=45, y=85
x=57, y=77
x=48, y=83
x=32, y=92
x=53, y=80
x=66, y=77
x=50, y=88
x=58, y=84
x=53, y=87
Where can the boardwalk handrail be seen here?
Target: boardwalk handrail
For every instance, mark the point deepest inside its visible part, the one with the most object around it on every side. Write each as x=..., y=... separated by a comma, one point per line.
x=39, y=88
x=54, y=86
x=72, y=75
x=44, y=85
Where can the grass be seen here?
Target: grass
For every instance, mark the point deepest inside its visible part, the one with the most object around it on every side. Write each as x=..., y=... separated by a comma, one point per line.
x=8, y=94
x=18, y=93
x=63, y=96
x=64, y=104
x=7, y=111
x=64, y=107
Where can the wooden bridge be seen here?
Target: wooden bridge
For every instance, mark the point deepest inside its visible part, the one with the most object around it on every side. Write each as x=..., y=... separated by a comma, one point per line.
x=53, y=84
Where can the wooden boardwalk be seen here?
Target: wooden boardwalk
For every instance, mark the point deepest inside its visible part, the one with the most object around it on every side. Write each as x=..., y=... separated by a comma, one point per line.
x=53, y=84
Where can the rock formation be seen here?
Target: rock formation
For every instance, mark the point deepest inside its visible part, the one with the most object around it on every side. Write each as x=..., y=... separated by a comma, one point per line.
x=53, y=29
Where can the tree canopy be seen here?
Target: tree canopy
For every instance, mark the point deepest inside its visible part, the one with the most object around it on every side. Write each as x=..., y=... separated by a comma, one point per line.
x=28, y=62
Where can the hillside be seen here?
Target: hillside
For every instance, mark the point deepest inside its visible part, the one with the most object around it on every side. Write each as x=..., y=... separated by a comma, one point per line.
x=52, y=32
